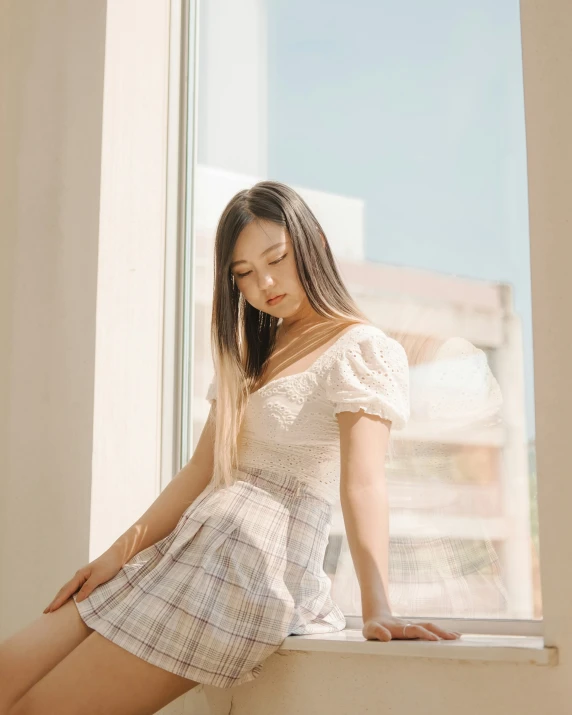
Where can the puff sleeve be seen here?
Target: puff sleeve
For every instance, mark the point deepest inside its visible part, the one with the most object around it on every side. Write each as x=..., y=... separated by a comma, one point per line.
x=211, y=390
x=372, y=374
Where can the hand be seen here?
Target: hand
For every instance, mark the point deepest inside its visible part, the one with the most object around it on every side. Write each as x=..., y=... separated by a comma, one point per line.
x=88, y=577
x=387, y=627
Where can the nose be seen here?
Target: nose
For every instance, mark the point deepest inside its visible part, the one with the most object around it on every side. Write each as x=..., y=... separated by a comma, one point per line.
x=265, y=280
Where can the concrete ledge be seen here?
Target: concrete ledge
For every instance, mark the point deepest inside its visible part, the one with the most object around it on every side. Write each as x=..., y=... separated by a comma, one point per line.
x=473, y=647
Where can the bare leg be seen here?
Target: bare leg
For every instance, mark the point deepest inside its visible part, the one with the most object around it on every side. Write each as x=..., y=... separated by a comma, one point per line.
x=101, y=678
x=32, y=652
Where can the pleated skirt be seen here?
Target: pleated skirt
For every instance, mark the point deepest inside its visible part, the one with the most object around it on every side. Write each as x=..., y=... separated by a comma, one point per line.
x=241, y=571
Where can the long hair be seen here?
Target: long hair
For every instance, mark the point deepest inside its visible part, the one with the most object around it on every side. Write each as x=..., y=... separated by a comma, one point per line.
x=242, y=337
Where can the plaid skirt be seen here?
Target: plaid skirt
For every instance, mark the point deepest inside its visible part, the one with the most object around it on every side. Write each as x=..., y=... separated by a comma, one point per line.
x=241, y=571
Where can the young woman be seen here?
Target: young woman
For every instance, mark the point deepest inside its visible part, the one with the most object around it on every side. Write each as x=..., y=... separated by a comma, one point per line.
x=228, y=560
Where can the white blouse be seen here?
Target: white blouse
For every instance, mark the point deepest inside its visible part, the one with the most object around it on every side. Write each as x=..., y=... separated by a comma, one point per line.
x=290, y=424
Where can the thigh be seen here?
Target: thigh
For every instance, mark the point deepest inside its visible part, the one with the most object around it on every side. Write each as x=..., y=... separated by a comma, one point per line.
x=29, y=654
x=101, y=678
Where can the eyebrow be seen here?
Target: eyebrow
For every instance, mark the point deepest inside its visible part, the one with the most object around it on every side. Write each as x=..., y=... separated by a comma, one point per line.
x=235, y=263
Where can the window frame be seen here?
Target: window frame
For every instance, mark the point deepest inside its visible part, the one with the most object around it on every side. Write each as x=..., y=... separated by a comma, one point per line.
x=179, y=373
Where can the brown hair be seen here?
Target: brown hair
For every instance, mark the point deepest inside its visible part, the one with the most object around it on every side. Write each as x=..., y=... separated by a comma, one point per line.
x=242, y=337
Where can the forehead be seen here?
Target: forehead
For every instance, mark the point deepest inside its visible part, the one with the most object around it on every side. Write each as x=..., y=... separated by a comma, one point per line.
x=257, y=237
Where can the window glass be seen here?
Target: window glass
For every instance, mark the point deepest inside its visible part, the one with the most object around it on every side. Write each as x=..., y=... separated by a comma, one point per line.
x=402, y=126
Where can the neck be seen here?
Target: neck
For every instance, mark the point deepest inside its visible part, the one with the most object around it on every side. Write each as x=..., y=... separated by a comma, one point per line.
x=304, y=318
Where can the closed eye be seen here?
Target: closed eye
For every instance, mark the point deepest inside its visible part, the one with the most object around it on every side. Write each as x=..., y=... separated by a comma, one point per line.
x=243, y=275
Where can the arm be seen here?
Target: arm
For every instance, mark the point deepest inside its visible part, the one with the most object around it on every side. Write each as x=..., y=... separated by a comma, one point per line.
x=157, y=522
x=368, y=386
x=164, y=513
x=365, y=507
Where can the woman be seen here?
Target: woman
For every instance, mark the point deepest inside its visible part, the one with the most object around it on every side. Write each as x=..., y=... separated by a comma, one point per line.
x=228, y=560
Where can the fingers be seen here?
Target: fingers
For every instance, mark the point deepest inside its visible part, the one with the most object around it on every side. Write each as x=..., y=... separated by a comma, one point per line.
x=417, y=631
x=66, y=591
x=382, y=634
x=86, y=589
x=441, y=632
x=430, y=631
x=448, y=635
x=375, y=631
x=62, y=596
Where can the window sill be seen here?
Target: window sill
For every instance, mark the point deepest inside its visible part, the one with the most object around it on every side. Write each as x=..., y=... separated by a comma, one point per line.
x=473, y=647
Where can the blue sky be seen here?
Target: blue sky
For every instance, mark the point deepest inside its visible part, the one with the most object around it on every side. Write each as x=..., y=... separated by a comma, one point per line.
x=417, y=108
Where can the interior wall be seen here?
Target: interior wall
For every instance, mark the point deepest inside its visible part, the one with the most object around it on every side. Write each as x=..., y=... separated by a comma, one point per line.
x=131, y=269
x=51, y=74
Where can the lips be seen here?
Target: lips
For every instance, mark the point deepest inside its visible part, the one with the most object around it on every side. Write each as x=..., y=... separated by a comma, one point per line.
x=275, y=299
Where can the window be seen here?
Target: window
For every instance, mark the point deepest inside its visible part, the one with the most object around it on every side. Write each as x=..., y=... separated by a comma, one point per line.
x=403, y=128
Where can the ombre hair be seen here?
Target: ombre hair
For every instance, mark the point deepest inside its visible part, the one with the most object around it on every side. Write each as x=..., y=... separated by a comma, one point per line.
x=242, y=337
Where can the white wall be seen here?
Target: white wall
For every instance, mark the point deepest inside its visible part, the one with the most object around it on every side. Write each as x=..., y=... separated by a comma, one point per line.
x=131, y=269
x=51, y=64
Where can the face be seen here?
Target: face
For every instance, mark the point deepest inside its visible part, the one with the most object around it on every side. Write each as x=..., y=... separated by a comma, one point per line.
x=263, y=267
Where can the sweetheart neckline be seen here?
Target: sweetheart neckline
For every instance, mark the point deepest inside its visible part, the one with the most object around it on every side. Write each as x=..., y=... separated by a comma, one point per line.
x=314, y=364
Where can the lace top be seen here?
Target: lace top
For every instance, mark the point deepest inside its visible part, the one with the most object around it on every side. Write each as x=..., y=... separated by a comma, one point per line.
x=290, y=423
